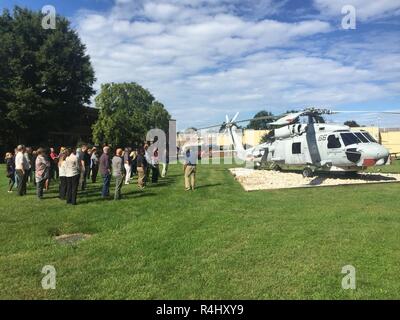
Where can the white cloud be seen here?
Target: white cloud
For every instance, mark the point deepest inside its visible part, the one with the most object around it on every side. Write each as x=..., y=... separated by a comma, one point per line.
x=365, y=9
x=161, y=11
x=203, y=59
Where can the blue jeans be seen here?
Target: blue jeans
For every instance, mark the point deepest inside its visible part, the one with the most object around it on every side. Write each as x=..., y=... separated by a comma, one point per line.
x=105, y=191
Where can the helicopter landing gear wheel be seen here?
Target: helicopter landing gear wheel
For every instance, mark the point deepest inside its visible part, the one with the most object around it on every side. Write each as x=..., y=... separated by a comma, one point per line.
x=307, y=173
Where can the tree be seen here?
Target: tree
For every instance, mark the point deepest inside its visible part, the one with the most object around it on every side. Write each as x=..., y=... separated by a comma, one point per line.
x=158, y=117
x=260, y=124
x=126, y=112
x=5, y=73
x=352, y=124
x=267, y=136
x=46, y=77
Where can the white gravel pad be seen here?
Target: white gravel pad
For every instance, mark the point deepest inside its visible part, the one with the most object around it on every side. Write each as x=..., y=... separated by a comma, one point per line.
x=251, y=179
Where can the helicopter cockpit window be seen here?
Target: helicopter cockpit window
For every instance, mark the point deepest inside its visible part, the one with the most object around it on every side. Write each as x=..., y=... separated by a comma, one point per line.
x=349, y=138
x=296, y=148
x=333, y=142
x=361, y=137
x=369, y=137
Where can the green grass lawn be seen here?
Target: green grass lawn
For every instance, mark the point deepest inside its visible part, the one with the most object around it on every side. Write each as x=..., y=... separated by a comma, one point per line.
x=393, y=168
x=217, y=242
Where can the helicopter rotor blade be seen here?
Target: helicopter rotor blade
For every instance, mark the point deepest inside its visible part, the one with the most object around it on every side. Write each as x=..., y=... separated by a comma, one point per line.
x=210, y=127
x=235, y=116
x=365, y=111
x=258, y=118
x=240, y=121
x=280, y=120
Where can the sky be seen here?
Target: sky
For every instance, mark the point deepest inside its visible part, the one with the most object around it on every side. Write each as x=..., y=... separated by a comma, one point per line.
x=206, y=58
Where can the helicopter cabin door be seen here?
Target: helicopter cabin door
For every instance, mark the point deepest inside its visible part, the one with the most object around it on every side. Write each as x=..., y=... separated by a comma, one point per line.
x=296, y=151
x=334, y=148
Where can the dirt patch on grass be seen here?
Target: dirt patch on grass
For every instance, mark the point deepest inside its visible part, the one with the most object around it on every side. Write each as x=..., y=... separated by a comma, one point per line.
x=252, y=179
x=72, y=238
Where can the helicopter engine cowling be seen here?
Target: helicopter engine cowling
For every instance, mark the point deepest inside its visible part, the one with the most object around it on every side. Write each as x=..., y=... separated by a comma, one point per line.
x=290, y=130
x=283, y=132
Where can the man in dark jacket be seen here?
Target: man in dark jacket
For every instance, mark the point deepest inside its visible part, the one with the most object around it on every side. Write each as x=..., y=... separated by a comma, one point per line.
x=142, y=166
x=10, y=162
x=84, y=158
x=105, y=171
x=94, y=164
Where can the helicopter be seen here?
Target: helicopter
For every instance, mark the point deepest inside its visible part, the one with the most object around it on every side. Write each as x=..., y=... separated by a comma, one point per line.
x=311, y=146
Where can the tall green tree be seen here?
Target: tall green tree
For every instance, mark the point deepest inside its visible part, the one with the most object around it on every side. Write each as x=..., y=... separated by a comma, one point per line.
x=6, y=41
x=46, y=77
x=126, y=112
x=260, y=124
x=158, y=117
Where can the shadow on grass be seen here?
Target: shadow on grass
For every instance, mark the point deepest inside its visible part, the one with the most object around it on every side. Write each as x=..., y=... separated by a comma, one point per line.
x=317, y=181
x=161, y=183
x=92, y=192
x=136, y=194
x=50, y=198
x=208, y=185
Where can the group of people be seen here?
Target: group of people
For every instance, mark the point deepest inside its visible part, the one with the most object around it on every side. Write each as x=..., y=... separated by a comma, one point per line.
x=72, y=168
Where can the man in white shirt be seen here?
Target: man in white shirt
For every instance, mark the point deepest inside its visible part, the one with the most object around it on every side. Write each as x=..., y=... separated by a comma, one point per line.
x=27, y=155
x=127, y=164
x=22, y=167
x=73, y=167
x=147, y=156
x=191, y=156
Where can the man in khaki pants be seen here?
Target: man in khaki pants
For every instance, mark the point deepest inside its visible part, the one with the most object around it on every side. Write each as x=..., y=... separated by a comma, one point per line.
x=190, y=169
x=141, y=168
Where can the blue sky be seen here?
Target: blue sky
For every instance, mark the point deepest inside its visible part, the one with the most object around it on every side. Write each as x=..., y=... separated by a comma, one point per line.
x=206, y=58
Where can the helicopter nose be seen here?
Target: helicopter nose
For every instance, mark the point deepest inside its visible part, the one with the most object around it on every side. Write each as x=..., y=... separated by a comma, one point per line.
x=373, y=154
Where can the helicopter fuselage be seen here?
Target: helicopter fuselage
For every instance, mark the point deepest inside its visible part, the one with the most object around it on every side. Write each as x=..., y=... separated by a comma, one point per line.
x=320, y=146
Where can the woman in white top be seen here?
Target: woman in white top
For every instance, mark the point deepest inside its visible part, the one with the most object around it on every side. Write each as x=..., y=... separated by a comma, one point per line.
x=155, y=167
x=42, y=172
x=62, y=173
x=94, y=164
x=72, y=172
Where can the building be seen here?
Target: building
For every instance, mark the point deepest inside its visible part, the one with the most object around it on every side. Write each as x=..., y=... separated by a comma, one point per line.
x=390, y=138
